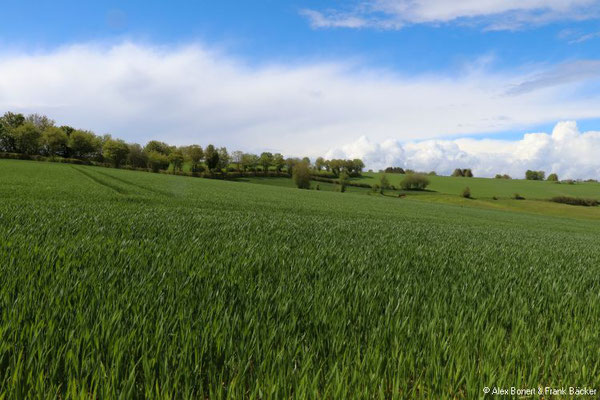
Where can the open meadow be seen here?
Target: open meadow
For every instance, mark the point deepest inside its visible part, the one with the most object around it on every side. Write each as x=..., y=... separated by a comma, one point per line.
x=125, y=284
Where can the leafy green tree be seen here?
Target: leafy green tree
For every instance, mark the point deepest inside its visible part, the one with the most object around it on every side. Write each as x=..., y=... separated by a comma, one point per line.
x=266, y=160
x=137, y=158
x=224, y=159
x=535, y=175
x=84, y=144
x=211, y=156
x=301, y=175
x=115, y=151
x=27, y=138
x=54, y=141
x=290, y=163
x=320, y=163
x=12, y=120
x=384, y=184
x=41, y=122
x=278, y=162
x=553, y=177
x=249, y=162
x=358, y=166
x=159, y=147
x=196, y=154
x=343, y=181
x=237, y=157
x=176, y=158
x=157, y=161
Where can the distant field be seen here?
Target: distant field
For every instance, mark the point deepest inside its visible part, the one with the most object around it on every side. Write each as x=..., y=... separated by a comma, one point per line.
x=128, y=284
x=501, y=188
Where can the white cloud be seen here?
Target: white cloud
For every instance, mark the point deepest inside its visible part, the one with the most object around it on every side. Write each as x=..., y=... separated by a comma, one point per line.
x=493, y=14
x=565, y=151
x=193, y=94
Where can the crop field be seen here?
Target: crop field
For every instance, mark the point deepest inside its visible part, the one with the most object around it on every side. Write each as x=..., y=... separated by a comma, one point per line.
x=124, y=284
x=501, y=188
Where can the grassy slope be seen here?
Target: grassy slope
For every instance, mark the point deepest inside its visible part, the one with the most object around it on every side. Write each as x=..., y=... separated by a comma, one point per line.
x=127, y=282
x=501, y=188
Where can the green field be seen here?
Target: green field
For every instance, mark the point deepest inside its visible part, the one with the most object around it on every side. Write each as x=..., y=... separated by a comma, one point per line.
x=501, y=188
x=125, y=284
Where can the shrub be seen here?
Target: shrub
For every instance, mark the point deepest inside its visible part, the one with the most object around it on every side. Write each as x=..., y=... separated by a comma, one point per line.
x=467, y=173
x=393, y=170
x=553, y=178
x=466, y=193
x=575, y=201
x=495, y=198
x=414, y=182
x=535, y=175
x=157, y=161
x=301, y=175
x=505, y=176
x=517, y=196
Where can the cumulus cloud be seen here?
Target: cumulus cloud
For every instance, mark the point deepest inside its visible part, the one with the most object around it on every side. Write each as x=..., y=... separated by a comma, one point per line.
x=492, y=14
x=566, y=151
x=196, y=94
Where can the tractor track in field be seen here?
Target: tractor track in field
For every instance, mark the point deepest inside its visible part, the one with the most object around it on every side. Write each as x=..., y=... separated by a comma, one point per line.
x=137, y=185
x=101, y=181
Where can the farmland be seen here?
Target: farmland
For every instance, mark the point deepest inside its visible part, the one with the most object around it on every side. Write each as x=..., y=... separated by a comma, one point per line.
x=123, y=283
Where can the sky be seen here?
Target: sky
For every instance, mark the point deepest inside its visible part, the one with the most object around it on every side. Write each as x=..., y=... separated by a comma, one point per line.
x=496, y=86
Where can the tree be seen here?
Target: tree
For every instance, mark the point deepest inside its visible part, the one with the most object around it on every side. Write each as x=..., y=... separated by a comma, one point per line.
x=278, y=162
x=535, y=175
x=306, y=160
x=553, y=177
x=290, y=163
x=343, y=181
x=458, y=172
x=137, y=158
x=84, y=144
x=266, y=160
x=320, y=163
x=358, y=165
x=414, y=182
x=40, y=121
x=336, y=166
x=157, y=161
x=176, y=158
x=237, y=157
x=54, y=141
x=12, y=120
x=224, y=159
x=115, y=151
x=195, y=153
x=301, y=175
x=211, y=157
x=159, y=147
x=384, y=184
x=467, y=173
x=505, y=176
x=394, y=170
x=249, y=162
x=27, y=138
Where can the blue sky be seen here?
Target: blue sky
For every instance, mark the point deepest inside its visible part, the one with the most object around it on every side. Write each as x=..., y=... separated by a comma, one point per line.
x=314, y=77
x=277, y=30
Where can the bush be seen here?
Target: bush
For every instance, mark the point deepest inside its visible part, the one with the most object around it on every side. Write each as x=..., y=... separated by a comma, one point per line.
x=575, y=201
x=301, y=175
x=535, y=175
x=505, y=176
x=553, y=178
x=495, y=198
x=393, y=170
x=414, y=182
x=467, y=173
x=517, y=196
x=466, y=193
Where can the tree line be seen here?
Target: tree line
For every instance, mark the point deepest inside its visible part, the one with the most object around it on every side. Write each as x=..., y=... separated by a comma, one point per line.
x=38, y=135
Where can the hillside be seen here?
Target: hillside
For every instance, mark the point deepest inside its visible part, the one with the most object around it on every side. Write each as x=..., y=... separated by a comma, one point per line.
x=151, y=285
